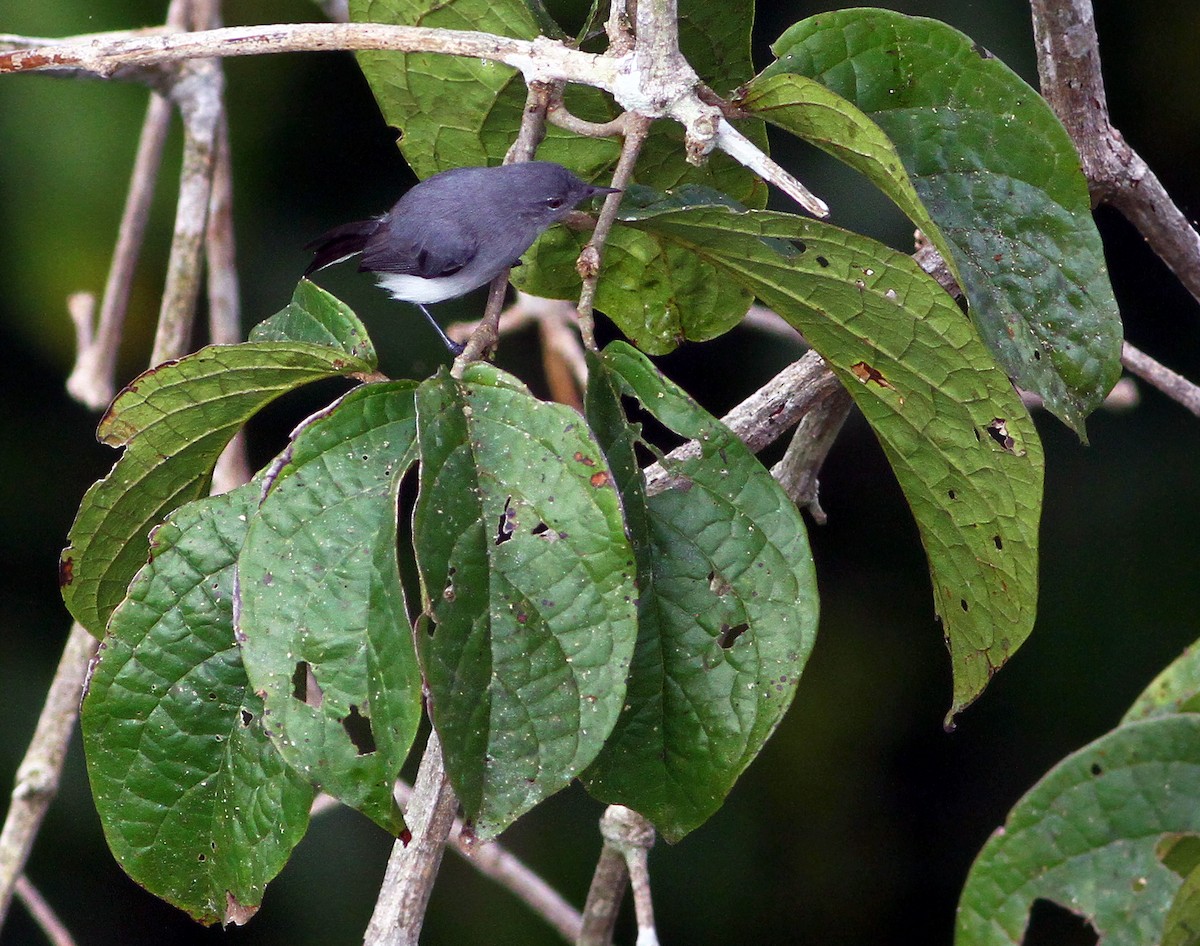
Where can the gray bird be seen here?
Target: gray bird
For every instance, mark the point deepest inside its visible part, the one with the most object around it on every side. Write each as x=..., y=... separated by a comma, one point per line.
x=456, y=230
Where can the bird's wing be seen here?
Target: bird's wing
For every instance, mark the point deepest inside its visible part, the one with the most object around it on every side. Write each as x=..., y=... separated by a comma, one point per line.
x=340, y=243
x=428, y=249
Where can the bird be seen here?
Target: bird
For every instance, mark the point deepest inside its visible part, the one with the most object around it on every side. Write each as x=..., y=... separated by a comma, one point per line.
x=456, y=230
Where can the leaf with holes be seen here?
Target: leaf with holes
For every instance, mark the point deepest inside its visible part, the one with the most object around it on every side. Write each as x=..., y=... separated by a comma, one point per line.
x=196, y=804
x=322, y=620
x=456, y=111
x=317, y=318
x=1100, y=835
x=659, y=294
x=528, y=580
x=998, y=173
x=963, y=446
x=727, y=606
x=174, y=421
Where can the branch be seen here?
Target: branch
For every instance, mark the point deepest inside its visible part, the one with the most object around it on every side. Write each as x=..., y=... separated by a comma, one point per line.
x=198, y=95
x=767, y=414
x=43, y=914
x=636, y=77
x=495, y=862
x=636, y=128
x=628, y=838
x=1068, y=53
x=93, y=381
x=413, y=866
x=1175, y=386
x=40, y=771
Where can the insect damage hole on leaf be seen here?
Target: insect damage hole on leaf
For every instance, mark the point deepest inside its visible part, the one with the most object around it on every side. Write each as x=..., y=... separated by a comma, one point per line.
x=508, y=523
x=1051, y=922
x=304, y=685
x=729, y=634
x=358, y=728
x=998, y=431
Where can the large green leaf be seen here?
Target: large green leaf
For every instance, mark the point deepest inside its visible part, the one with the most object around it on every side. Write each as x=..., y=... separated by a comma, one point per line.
x=196, y=804
x=963, y=446
x=528, y=579
x=174, y=421
x=997, y=172
x=322, y=621
x=457, y=111
x=1096, y=835
x=727, y=606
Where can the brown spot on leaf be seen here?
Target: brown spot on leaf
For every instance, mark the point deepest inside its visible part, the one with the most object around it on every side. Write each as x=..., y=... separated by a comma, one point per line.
x=584, y=459
x=599, y=479
x=867, y=374
x=66, y=571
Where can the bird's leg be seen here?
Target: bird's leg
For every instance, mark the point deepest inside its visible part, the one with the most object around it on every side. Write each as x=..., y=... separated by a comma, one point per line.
x=454, y=347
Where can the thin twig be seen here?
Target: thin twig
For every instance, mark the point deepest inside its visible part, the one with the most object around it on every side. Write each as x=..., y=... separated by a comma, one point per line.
x=43, y=914
x=413, y=865
x=628, y=838
x=40, y=771
x=224, y=300
x=609, y=882
x=93, y=381
x=495, y=862
x=1173, y=385
x=198, y=95
x=636, y=128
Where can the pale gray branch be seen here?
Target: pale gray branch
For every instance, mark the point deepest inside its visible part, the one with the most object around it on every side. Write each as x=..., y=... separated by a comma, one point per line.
x=1068, y=51
x=93, y=380
x=43, y=914
x=39, y=772
x=413, y=866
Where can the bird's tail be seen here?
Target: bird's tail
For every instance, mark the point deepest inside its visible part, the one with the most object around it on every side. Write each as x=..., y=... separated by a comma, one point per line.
x=340, y=243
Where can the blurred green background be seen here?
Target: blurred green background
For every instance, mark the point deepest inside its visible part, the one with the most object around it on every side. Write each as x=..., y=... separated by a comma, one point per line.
x=860, y=820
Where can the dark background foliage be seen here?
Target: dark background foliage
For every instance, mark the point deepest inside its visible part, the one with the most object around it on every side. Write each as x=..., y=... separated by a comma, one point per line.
x=860, y=820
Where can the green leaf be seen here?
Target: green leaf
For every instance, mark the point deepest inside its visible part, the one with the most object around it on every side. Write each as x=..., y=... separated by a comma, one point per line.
x=457, y=111
x=1175, y=690
x=810, y=111
x=727, y=606
x=528, y=580
x=196, y=804
x=454, y=111
x=1092, y=836
x=174, y=421
x=963, y=446
x=998, y=173
x=322, y=619
x=318, y=318
x=659, y=294
x=1182, y=926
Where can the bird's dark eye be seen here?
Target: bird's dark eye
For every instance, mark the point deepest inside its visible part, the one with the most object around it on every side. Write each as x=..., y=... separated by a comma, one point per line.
x=554, y=202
